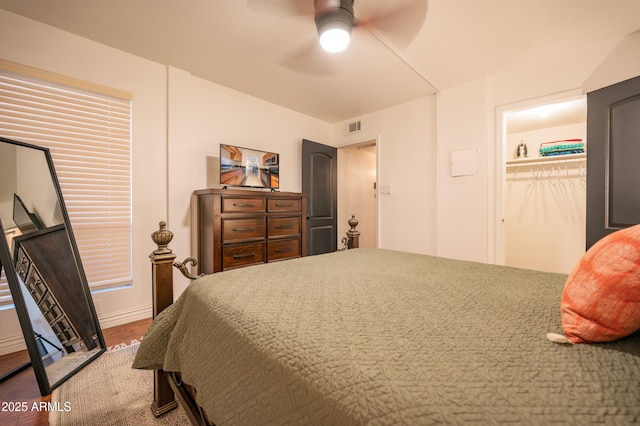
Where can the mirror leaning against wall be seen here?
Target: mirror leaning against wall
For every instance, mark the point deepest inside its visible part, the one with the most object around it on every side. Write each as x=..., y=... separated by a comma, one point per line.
x=43, y=268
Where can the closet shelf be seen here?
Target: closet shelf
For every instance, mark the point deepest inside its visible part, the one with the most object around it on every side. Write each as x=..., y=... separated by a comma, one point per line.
x=554, y=159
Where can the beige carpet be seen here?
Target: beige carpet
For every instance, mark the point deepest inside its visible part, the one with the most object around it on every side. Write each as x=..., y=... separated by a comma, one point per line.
x=109, y=392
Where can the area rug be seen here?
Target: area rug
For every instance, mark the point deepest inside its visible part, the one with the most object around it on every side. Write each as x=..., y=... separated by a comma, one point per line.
x=109, y=392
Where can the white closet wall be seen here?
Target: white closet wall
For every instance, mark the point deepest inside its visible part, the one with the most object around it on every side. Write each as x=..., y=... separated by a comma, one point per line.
x=545, y=202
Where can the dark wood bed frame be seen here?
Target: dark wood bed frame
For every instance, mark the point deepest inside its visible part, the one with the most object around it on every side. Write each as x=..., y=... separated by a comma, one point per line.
x=168, y=388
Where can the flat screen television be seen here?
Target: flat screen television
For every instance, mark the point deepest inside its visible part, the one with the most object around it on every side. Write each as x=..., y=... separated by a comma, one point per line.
x=249, y=167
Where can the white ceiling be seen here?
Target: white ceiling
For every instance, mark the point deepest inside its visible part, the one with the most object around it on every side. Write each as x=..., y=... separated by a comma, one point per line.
x=272, y=54
x=548, y=115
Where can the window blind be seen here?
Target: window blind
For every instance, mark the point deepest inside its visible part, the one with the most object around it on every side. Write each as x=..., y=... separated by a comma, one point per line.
x=87, y=128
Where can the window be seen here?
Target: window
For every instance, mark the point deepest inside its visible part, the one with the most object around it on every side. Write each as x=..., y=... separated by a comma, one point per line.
x=87, y=128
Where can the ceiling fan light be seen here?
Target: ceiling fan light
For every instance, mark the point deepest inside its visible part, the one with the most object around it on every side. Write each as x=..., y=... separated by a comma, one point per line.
x=334, y=39
x=334, y=21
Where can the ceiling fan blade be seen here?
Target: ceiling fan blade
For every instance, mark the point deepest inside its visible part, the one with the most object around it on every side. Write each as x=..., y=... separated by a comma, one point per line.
x=312, y=60
x=399, y=26
x=282, y=7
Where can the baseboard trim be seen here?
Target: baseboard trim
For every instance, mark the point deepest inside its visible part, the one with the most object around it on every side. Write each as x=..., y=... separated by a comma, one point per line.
x=123, y=317
x=12, y=344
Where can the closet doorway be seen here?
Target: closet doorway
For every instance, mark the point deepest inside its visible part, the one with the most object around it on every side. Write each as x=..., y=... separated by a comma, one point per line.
x=357, y=190
x=544, y=185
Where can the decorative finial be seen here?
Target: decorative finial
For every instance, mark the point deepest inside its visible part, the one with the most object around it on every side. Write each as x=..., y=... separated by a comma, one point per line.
x=353, y=222
x=162, y=237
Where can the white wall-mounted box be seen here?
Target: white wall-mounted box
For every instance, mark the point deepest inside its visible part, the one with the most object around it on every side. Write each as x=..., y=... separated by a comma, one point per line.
x=464, y=162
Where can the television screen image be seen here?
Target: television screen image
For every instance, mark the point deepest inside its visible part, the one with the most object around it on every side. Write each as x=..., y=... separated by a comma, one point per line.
x=248, y=167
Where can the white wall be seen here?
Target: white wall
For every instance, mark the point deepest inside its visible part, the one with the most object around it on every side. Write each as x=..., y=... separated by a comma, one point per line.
x=203, y=115
x=406, y=165
x=462, y=201
x=9, y=179
x=36, y=188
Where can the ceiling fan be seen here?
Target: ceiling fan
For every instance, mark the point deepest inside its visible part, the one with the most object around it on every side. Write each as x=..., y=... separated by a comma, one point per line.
x=395, y=26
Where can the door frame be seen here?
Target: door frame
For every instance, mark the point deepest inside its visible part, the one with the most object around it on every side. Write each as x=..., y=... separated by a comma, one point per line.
x=498, y=251
x=341, y=182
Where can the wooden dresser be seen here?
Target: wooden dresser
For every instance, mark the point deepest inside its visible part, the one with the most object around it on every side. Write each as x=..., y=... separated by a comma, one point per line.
x=237, y=228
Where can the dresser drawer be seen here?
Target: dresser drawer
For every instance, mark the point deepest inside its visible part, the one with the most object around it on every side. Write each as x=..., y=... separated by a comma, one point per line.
x=243, y=205
x=22, y=264
x=279, y=226
x=234, y=230
x=283, y=205
x=50, y=309
x=35, y=285
x=242, y=255
x=283, y=249
x=65, y=332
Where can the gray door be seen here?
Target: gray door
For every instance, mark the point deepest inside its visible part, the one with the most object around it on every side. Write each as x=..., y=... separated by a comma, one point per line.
x=320, y=181
x=613, y=159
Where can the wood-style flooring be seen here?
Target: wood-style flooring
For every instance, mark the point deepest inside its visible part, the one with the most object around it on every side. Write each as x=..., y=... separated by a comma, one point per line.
x=24, y=388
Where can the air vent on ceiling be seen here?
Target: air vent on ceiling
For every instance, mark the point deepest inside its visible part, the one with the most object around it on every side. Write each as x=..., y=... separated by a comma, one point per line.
x=352, y=127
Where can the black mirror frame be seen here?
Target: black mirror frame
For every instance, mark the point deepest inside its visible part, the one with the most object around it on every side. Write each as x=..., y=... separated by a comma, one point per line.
x=6, y=262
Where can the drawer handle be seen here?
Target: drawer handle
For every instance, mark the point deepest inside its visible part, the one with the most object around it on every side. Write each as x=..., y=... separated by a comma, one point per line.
x=285, y=250
x=244, y=229
x=283, y=205
x=243, y=205
x=284, y=227
x=243, y=256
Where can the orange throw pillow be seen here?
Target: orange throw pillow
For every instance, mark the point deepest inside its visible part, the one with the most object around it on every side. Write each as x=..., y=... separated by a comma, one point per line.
x=601, y=298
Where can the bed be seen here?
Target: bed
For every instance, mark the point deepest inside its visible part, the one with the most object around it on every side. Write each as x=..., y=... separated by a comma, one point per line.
x=380, y=337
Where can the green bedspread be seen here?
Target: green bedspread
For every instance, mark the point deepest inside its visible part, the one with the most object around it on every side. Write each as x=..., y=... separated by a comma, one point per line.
x=380, y=337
